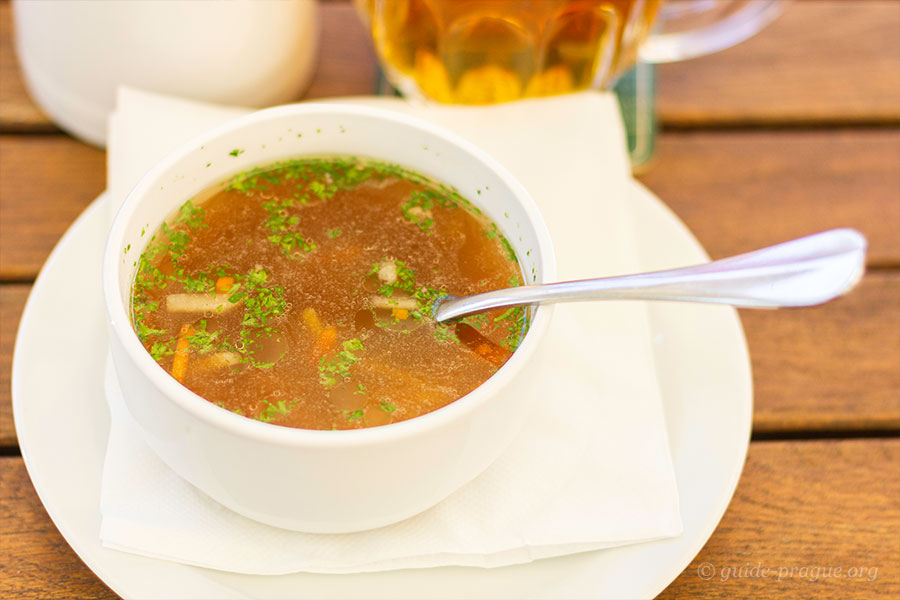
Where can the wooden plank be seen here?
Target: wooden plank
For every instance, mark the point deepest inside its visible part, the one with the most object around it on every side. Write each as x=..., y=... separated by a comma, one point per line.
x=831, y=367
x=820, y=62
x=12, y=301
x=813, y=507
x=738, y=191
x=45, y=182
x=718, y=182
x=35, y=561
x=347, y=62
x=819, y=505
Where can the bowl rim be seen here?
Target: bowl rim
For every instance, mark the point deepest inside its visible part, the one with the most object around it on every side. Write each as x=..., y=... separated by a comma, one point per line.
x=198, y=407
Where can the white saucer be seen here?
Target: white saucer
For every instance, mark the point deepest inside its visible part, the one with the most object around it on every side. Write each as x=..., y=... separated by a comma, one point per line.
x=62, y=425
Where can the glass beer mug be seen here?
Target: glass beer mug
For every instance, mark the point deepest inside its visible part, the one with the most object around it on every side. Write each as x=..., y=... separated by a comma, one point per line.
x=487, y=51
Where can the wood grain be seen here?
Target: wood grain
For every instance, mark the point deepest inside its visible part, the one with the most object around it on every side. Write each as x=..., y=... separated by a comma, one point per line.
x=799, y=504
x=35, y=561
x=45, y=182
x=821, y=62
x=12, y=301
x=347, y=62
x=717, y=182
x=818, y=505
x=832, y=367
x=785, y=75
x=743, y=190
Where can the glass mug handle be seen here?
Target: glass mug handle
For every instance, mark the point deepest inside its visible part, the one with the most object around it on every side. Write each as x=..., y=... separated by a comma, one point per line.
x=741, y=20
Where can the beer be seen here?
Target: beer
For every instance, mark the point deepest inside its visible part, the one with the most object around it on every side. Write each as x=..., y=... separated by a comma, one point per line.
x=487, y=51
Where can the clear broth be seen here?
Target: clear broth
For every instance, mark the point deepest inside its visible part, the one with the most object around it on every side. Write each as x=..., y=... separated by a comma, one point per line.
x=300, y=294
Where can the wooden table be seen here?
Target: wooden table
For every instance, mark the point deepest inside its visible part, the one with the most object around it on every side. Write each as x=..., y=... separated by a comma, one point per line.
x=795, y=131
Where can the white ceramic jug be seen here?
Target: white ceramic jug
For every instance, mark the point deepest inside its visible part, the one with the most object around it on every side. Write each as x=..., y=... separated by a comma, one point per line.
x=75, y=53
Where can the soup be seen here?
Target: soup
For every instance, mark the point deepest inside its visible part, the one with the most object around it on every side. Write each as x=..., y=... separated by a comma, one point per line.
x=300, y=294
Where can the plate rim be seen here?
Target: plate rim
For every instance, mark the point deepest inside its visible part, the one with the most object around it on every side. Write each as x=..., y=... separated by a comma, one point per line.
x=87, y=551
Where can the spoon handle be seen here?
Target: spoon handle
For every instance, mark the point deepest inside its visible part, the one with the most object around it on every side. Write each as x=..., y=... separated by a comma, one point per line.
x=803, y=272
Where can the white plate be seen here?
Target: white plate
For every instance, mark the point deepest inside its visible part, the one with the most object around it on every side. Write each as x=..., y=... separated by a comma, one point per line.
x=62, y=424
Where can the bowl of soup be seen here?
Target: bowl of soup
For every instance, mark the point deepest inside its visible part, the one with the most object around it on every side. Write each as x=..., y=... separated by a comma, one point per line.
x=269, y=290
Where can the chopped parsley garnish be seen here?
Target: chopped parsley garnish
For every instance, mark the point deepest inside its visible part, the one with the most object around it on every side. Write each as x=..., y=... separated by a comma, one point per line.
x=514, y=319
x=200, y=282
x=419, y=208
x=159, y=350
x=203, y=341
x=273, y=409
x=337, y=369
x=262, y=303
x=191, y=215
x=293, y=244
x=445, y=333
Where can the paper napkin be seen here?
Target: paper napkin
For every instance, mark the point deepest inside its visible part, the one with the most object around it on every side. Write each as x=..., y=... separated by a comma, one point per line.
x=591, y=469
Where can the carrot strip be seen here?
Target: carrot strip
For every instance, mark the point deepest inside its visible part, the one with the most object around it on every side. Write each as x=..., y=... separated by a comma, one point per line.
x=224, y=284
x=482, y=346
x=312, y=321
x=325, y=342
x=182, y=350
x=400, y=313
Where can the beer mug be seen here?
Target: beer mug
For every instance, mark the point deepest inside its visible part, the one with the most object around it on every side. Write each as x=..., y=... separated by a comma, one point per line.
x=487, y=51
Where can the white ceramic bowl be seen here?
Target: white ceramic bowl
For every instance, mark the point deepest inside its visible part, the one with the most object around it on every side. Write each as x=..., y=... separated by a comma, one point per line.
x=323, y=481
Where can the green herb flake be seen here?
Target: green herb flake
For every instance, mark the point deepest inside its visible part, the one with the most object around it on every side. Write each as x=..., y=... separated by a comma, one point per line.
x=159, y=350
x=271, y=410
x=445, y=333
x=204, y=341
x=337, y=369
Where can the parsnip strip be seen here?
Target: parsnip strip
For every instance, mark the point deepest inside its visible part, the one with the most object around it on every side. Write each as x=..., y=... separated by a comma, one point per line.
x=404, y=302
x=219, y=360
x=387, y=272
x=198, y=303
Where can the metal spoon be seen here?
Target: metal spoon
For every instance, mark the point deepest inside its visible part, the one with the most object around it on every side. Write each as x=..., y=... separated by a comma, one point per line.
x=803, y=272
